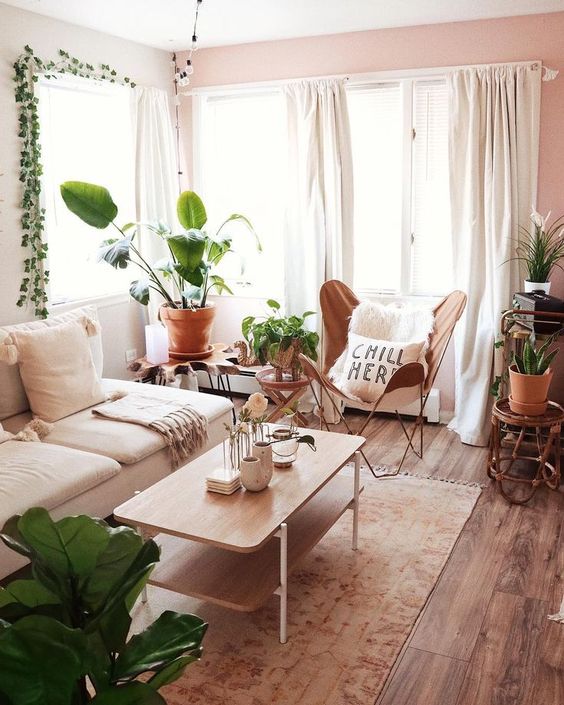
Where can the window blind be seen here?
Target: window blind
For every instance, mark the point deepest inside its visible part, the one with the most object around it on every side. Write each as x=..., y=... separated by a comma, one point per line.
x=431, y=246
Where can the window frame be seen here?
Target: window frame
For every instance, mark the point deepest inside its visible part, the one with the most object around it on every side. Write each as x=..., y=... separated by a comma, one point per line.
x=79, y=84
x=364, y=81
x=406, y=81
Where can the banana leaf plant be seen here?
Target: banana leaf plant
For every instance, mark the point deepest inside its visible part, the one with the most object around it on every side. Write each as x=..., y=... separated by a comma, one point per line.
x=63, y=632
x=192, y=256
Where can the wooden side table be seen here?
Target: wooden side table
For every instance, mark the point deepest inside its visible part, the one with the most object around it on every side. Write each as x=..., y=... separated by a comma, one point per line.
x=534, y=438
x=283, y=394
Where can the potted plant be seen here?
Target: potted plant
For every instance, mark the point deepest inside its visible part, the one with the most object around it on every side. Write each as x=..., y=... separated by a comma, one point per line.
x=540, y=249
x=278, y=340
x=64, y=632
x=184, y=278
x=530, y=376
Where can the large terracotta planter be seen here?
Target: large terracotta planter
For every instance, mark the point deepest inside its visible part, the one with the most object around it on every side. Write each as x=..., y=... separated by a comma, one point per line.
x=529, y=393
x=189, y=330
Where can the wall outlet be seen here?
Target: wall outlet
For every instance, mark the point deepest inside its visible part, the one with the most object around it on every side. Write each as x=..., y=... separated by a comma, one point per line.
x=131, y=355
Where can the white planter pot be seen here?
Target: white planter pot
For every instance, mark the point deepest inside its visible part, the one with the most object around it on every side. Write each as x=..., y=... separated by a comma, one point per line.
x=254, y=476
x=537, y=286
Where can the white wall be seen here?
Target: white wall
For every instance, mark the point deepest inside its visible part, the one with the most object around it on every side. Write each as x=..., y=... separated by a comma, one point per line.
x=122, y=321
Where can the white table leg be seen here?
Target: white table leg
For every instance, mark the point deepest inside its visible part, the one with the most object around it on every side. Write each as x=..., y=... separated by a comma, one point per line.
x=356, y=499
x=283, y=590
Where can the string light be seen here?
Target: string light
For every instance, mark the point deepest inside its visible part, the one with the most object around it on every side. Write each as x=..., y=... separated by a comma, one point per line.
x=182, y=76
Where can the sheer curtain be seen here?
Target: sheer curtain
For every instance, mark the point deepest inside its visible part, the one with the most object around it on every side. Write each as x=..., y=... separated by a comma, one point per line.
x=318, y=238
x=493, y=147
x=156, y=178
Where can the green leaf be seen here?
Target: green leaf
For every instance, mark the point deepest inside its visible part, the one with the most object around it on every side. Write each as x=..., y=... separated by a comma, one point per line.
x=188, y=248
x=164, y=265
x=271, y=303
x=40, y=661
x=218, y=283
x=168, y=638
x=69, y=547
x=171, y=672
x=140, y=291
x=191, y=211
x=242, y=219
x=115, y=252
x=194, y=277
x=24, y=597
x=91, y=203
x=129, y=694
x=308, y=440
x=12, y=537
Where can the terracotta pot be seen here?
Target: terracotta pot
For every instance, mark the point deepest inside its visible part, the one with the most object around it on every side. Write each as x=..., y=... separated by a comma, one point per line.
x=529, y=393
x=189, y=330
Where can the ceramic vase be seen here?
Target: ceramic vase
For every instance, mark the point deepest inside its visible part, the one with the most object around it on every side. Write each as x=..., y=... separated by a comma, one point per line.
x=253, y=475
x=263, y=451
x=537, y=286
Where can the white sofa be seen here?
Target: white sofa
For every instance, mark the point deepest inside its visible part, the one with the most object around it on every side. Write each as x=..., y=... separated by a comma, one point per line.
x=86, y=465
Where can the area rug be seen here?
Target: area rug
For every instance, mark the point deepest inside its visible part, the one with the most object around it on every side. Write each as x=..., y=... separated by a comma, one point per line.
x=349, y=613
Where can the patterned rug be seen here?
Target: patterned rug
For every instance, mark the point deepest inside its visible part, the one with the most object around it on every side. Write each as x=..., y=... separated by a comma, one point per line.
x=349, y=612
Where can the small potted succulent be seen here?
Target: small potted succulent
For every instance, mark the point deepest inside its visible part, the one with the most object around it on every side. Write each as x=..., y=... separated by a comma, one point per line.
x=540, y=249
x=530, y=376
x=278, y=340
x=184, y=278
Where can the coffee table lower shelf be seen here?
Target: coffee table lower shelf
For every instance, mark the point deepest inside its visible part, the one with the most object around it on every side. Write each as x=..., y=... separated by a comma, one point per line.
x=245, y=581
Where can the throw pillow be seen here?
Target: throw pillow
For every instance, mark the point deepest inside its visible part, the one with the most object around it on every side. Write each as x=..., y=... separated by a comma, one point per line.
x=56, y=368
x=4, y=435
x=370, y=364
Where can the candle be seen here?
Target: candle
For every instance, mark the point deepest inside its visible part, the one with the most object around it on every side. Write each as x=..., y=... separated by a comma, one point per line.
x=156, y=341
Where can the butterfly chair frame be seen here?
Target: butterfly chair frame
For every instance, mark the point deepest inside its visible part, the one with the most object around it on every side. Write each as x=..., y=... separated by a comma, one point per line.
x=337, y=303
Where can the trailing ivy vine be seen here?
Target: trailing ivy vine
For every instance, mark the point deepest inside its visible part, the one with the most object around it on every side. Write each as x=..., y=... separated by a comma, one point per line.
x=27, y=68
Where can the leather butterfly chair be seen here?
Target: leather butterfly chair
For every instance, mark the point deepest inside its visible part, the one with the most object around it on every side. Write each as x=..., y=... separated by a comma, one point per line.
x=337, y=303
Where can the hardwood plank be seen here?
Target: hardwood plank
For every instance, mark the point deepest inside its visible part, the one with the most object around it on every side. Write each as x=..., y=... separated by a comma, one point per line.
x=549, y=682
x=423, y=678
x=245, y=581
x=505, y=660
x=533, y=552
x=452, y=618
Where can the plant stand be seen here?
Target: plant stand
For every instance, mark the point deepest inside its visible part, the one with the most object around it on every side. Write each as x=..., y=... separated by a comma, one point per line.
x=535, y=438
x=282, y=393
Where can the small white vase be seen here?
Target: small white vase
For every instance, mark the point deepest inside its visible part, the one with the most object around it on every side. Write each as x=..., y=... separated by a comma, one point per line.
x=263, y=451
x=537, y=286
x=253, y=475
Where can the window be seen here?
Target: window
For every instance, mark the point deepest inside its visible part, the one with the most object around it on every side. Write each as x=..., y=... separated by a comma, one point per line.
x=241, y=168
x=86, y=135
x=399, y=135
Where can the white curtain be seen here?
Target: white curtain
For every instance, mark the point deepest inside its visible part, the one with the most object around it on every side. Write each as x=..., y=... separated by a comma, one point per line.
x=493, y=146
x=156, y=177
x=318, y=237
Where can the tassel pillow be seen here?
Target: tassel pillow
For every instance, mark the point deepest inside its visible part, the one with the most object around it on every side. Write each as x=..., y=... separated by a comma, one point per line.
x=370, y=364
x=56, y=367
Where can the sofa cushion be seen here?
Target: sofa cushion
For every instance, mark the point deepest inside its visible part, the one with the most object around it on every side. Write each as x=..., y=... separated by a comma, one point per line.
x=56, y=369
x=127, y=442
x=13, y=399
x=46, y=475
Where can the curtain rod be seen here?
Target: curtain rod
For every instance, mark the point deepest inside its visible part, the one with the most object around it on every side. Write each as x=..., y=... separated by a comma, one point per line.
x=548, y=75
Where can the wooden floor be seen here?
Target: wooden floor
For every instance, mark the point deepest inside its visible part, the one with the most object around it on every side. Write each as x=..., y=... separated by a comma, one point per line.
x=483, y=637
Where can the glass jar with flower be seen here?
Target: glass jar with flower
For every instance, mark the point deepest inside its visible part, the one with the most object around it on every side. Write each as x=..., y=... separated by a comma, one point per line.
x=248, y=429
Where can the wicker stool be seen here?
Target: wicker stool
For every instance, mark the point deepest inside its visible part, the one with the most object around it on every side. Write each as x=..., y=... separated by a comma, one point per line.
x=534, y=438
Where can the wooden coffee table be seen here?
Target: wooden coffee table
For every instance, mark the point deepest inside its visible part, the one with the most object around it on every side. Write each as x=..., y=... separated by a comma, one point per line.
x=237, y=550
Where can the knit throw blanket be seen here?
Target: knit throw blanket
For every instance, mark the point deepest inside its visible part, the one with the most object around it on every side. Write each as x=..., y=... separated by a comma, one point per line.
x=183, y=428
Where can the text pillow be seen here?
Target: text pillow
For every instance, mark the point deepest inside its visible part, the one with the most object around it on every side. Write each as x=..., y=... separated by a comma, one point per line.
x=56, y=367
x=370, y=364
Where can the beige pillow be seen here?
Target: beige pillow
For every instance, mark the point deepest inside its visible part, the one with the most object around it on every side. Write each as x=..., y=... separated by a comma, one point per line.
x=56, y=368
x=370, y=364
x=13, y=400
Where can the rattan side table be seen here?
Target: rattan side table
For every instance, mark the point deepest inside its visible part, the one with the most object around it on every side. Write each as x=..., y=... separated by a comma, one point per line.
x=534, y=438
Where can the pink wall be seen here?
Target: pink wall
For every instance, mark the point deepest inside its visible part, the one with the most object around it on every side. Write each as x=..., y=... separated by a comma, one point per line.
x=489, y=41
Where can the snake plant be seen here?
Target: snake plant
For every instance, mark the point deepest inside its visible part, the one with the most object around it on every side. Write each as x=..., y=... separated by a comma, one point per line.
x=535, y=361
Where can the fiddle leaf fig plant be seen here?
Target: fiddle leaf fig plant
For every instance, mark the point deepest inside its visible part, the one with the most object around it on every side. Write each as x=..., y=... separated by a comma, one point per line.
x=192, y=255
x=64, y=631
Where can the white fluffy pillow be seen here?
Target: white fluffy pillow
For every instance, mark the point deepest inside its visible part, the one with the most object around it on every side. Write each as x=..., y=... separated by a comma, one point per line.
x=4, y=435
x=370, y=364
x=56, y=367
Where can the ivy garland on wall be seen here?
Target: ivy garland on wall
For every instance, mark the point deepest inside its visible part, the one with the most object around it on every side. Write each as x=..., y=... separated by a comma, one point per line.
x=33, y=288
